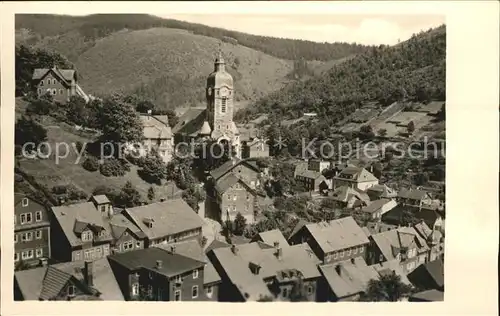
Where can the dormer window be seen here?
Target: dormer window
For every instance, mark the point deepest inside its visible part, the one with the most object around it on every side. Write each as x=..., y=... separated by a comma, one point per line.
x=25, y=202
x=71, y=290
x=87, y=236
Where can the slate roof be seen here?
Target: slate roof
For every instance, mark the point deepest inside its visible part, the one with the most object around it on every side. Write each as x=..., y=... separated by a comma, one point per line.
x=337, y=234
x=413, y=194
x=169, y=217
x=392, y=266
x=356, y=174
x=217, y=244
x=230, y=165
x=172, y=263
x=65, y=74
x=427, y=296
x=383, y=190
x=376, y=205
x=345, y=193
x=155, y=127
x=47, y=282
x=226, y=182
x=101, y=199
x=192, y=249
x=377, y=227
x=389, y=242
x=429, y=275
x=250, y=286
x=348, y=278
x=119, y=224
x=74, y=217
x=271, y=236
x=302, y=170
x=191, y=122
x=427, y=233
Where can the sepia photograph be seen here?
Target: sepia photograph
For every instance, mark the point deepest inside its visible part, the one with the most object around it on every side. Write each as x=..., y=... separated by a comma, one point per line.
x=229, y=157
x=181, y=159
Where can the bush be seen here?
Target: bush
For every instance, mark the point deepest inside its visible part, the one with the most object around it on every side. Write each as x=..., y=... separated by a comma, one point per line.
x=91, y=164
x=114, y=167
x=60, y=189
x=76, y=194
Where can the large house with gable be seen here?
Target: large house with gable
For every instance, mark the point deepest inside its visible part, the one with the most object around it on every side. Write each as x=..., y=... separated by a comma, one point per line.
x=62, y=84
x=233, y=188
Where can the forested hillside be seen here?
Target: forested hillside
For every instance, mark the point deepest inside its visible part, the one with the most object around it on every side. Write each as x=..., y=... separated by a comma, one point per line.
x=86, y=30
x=414, y=69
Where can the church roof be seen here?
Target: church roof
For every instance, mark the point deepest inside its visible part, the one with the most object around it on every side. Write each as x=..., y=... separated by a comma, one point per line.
x=205, y=129
x=190, y=122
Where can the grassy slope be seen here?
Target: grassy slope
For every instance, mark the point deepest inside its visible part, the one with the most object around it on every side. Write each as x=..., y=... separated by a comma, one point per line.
x=171, y=66
x=50, y=173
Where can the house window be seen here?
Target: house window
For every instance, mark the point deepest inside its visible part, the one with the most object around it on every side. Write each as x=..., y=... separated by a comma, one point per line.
x=349, y=252
x=87, y=236
x=177, y=296
x=29, y=236
x=25, y=202
x=138, y=244
x=235, y=197
x=178, y=279
x=194, y=291
x=60, y=91
x=229, y=196
x=16, y=257
x=86, y=255
x=39, y=252
x=223, y=105
x=71, y=290
x=209, y=290
x=310, y=289
x=285, y=292
x=41, y=82
x=106, y=250
x=54, y=91
x=98, y=252
x=38, y=216
x=27, y=254
x=335, y=255
x=78, y=255
x=195, y=274
x=26, y=218
x=341, y=254
x=355, y=250
x=380, y=258
x=135, y=289
x=361, y=249
x=15, y=238
x=38, y=234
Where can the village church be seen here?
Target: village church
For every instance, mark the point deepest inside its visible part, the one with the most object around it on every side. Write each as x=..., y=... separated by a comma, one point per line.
x=216, y=120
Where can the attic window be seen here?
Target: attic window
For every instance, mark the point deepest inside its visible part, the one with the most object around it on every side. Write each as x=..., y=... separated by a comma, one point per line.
x=71, y=290
x=41, y=82
x=25, y=202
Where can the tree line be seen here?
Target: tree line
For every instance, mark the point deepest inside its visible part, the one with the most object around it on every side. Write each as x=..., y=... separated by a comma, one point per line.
x=96, y=26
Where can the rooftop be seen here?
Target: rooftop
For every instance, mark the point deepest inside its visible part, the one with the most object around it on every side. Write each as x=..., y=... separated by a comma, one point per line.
x=427, y=296
x=172, y=263
x=168, y=218
x=391, y=241
x=272, y=236
x=156, y=127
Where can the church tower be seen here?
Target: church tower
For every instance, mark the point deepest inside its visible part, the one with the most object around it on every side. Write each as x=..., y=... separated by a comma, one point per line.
x=220, y=106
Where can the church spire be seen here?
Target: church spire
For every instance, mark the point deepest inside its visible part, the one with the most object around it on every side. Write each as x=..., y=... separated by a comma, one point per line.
x=219, y=60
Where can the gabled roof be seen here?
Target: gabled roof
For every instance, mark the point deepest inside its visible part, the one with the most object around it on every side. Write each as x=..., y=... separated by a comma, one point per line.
x=101, y=199
x=413, y=194
x=172, y=263
x=119, y=224
x=65, y=75
x=348, y=277
x=301, y=170
x=74, y=218
x=337, y=234
x=191, y=122
x=345, y=193
x=427, y=296
x=429, y=275
x=226, y=182
x=392, y=266
x=383, y=190
x=389, y=242
x=230, y=165
x=356, y=174
x=47, y=282
x=217, y=244
x=377, y=205
x=271, y=236
x=155, y=127
x=168, y=217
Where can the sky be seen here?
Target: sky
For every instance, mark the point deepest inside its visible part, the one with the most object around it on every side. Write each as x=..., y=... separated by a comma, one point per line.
x=362, y=29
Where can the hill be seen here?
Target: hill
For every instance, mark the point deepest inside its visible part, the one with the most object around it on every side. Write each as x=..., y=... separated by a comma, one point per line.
x=87, y=29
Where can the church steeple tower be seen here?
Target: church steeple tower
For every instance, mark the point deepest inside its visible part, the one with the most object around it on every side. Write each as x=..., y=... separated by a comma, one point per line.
x=220, y=96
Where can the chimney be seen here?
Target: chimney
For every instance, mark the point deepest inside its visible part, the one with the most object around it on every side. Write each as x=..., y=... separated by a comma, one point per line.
x=159, y=264
x=276, y=244
x=279, y=253
x=234, y=250
x=110, y=211
x=43, y=262
x=172, y=249
x=149, y=114
x=88, y=273
x=352, y=260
